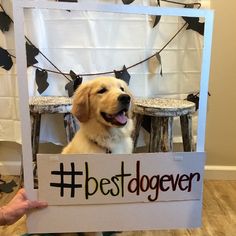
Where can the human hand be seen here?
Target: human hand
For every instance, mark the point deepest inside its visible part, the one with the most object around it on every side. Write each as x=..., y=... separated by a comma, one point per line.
x=18, y=206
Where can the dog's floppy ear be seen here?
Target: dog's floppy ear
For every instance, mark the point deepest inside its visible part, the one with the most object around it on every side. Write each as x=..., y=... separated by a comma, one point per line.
x=80, y=105
x=127, y=90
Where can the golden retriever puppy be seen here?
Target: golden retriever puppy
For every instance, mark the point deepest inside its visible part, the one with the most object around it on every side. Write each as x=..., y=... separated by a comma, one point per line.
x=103, y=108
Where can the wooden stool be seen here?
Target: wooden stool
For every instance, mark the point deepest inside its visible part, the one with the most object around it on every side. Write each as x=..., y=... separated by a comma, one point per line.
x=162, y=111
x=50, y=105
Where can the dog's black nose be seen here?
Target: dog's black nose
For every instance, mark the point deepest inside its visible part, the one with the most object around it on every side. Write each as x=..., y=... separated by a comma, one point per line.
x=124, y=99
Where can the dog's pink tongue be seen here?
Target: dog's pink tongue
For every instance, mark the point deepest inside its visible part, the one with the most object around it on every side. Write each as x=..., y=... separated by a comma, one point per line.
x=121, y=118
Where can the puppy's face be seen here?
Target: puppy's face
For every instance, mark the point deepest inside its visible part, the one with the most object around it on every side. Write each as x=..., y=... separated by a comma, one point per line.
x=105, y=99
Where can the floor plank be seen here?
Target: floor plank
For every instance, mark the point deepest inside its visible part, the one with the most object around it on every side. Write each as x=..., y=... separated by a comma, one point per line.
x=219, y=214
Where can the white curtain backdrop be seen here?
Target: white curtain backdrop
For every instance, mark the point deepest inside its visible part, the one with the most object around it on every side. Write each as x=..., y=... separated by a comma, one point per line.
x=90, y=42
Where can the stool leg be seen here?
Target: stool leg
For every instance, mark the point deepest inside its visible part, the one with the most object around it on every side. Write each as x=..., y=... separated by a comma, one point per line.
x=187, y=136
x=167, y=134
x=155, y=134
x=70, y=126
x=35, y=133
x=138, y=122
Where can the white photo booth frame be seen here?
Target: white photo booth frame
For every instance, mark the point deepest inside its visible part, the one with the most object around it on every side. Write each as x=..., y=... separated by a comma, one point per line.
x=179, y=213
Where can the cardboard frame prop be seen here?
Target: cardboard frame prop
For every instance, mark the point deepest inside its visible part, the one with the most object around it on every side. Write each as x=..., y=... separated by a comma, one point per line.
x=174, y=201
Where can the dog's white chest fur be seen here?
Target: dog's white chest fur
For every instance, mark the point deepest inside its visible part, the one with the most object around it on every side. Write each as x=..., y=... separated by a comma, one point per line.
x=125, y=146
x=121, y=143
x=116, y=141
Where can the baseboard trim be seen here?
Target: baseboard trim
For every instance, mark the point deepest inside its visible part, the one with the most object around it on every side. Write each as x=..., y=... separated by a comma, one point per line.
x=211, y=172
x=220, y=172
x=10, y=167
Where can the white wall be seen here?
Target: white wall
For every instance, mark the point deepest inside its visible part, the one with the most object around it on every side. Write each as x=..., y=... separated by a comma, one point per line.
x=221, y=121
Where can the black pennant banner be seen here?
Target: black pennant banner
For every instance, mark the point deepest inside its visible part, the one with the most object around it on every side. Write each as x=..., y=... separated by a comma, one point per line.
x=123, y=74
x=157, y=18
x=194, y=98
x=158, y=56
x=5, y=59
x=193, y=22
x=74, y=84
x=31, y=53
x=41, y=80
x=5, y=21
x=127, y=1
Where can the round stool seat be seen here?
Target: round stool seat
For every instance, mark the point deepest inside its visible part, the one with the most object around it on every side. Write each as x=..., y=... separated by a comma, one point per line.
x=48, y=104
x=161, y=112
x=163, y=107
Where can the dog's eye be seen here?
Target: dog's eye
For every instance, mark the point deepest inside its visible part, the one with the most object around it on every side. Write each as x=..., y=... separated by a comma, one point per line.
x=122, y=89
x=102, y=90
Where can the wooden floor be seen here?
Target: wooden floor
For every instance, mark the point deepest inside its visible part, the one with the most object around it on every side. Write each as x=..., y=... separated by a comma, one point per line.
x=219, y=214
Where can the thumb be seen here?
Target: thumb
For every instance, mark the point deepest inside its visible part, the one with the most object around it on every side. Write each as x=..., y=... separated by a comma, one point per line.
x=37, y=204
